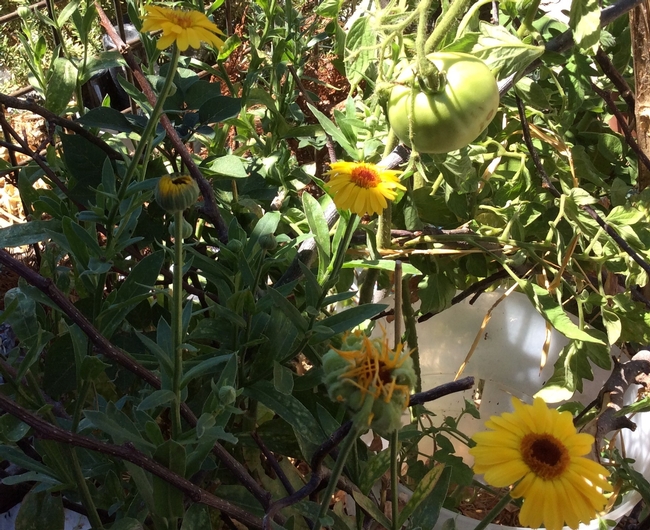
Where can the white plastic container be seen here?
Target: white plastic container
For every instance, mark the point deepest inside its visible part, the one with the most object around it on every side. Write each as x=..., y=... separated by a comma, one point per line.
x=507, y=358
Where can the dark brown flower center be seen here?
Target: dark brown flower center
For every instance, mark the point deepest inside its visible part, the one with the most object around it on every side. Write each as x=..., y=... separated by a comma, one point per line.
x=365, y=177
x=545, y=455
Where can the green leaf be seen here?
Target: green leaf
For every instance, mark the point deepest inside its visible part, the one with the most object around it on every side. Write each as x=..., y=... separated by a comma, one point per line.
x=289, y=409
x=336, y=134
x=422, y=491
x=18, y=235
x=288, y=309
x=230, y=166
x=328, y=8
x=345, y=320
x=375, y=468
x=358, y=49
x=156, y=399
x=503, y=52
x=381, y=264
x=120, y=428
x=371, y=509
x=106, y=118
x=219, y=108
x=320, y=230
x=612, y=324
x=427, y=513
x=282, y=379
x=84, y=161
x=168, y=499
x=60, y=85
x=553, y=312
x=59, y=375
x=127, y=523
x=584, y=20
x=196, y=517
x=204, y=368
x=18, y=458
x=267, y=225
x=40, y=510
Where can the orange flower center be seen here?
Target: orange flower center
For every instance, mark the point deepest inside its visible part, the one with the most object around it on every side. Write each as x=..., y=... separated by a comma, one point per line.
x=364, y=177
x=545, y=455
x=181, y=19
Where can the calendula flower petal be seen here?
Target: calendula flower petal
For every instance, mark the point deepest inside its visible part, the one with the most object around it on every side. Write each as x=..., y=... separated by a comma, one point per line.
x=540, y=448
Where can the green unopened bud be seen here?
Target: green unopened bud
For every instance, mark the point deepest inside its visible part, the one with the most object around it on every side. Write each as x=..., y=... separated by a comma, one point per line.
x=24, y=12
x=175, y=194
x=187, y=229
x=268, y=242
x=235, y=246
x=227, y=395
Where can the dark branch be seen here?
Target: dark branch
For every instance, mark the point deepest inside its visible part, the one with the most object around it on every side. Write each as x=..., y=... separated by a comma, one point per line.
x=127, y=452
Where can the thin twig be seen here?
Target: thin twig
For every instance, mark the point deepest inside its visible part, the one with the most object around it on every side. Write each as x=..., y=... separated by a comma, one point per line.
x=622, y=123
x=441, y=390
x=273, y=462
x=616, y=78
x=16, y=103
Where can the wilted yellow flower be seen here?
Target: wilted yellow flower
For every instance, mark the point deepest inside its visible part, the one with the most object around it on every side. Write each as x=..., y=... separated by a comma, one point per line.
x=369, y=367
x=175, y=194
x=185, y=28
x=540, y=448
x=361, y=187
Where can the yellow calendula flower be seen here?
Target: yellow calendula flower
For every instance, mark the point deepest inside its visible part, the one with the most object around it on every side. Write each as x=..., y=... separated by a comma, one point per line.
x=185, y=28
x=366, y=367
x=540, y=448
x=175, y=194
x=362, y=188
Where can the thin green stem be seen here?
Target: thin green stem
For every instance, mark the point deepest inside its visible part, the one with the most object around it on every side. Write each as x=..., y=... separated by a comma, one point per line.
x=87, y=499
x=384, y=224
x=350, y=440
x=145, y=140
x=425, y=67
x=444, y=24
x=527, y=24
x=177, y=322
x=494, y=512
x=394, y=477
x=468, y=17
x=411, y=333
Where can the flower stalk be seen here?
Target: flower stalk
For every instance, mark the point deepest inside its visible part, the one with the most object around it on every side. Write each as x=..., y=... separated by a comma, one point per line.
x=177, y=322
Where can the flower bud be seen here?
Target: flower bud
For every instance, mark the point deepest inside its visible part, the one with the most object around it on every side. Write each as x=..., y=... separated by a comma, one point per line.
x=175, y=194
x=268, y=242
x=187, y=229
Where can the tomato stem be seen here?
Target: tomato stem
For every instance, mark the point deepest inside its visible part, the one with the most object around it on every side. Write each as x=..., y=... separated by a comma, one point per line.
x=444, y=25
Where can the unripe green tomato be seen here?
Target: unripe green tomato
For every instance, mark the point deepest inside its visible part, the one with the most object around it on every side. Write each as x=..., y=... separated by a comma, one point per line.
x=454, y=116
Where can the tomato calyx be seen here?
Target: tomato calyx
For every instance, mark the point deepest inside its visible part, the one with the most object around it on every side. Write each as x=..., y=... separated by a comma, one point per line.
x=430, y=78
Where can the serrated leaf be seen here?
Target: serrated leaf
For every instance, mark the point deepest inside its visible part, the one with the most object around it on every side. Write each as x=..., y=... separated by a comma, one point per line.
x=584, y=20
x=358, y=49
x=612, y=324
x=553, y=312
x=503, y=52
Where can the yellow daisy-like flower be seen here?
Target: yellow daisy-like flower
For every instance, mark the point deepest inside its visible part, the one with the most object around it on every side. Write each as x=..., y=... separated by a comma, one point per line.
x=185, y=28
x=540, y=448
x=362, y=188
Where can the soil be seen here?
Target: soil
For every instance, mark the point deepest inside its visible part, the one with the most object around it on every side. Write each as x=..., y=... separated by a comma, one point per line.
x=477, y=503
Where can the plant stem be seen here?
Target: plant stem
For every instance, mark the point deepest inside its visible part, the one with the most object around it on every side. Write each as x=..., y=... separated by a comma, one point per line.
x=394, y=477
x=148, y=132
x=494, y=512
x=411, y=333
x=444, y=23
x=350, y=440
x=88, y=502
x=177, y=322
